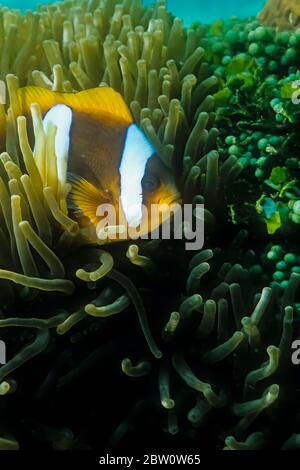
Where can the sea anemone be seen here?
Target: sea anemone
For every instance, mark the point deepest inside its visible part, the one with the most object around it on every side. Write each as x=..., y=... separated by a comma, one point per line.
x=147, y=56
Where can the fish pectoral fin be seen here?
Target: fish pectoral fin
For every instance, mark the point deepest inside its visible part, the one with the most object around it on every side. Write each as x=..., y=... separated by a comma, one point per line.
x=85, y=198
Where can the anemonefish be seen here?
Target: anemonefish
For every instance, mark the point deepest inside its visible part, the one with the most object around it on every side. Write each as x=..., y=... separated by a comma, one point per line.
x=109, y=158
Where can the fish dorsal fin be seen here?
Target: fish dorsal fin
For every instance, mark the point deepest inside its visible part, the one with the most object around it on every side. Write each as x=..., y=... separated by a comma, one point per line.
x=102, y=102
x=60, y=116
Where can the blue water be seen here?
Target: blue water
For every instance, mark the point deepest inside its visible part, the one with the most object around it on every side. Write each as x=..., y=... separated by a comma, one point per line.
x=210, y=10
x=189, y=10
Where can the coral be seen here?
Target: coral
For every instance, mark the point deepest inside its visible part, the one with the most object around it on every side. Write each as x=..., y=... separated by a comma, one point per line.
x=212, y=367
x=283, y=14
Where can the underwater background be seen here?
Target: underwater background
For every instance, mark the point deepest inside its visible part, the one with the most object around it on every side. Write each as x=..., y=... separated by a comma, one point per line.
x=203, y=10
x=108, y=345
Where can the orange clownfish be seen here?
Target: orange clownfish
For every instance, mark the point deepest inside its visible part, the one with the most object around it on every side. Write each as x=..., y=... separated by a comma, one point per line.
x=109, y=158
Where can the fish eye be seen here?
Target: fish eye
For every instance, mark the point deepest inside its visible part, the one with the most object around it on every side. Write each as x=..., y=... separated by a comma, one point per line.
x=150, y=183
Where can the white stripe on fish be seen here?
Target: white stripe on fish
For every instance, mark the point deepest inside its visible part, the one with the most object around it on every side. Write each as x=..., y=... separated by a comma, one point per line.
x=136, y=153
